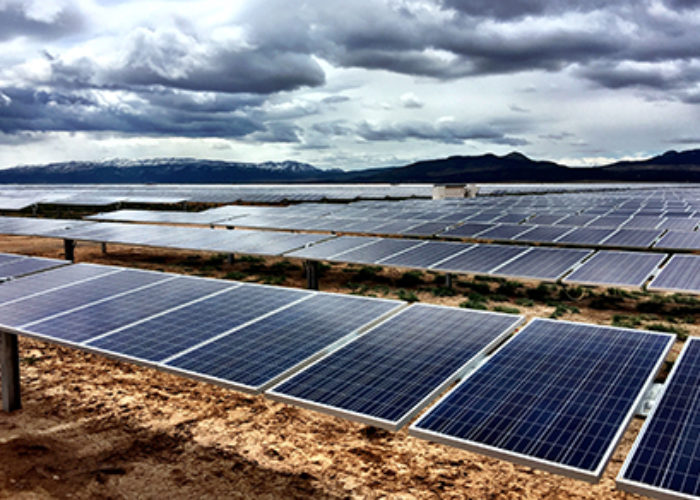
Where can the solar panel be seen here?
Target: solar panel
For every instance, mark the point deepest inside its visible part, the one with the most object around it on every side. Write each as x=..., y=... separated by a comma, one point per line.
x=167, y=334
x=425, y=229
x=665, y=459
x=53, y=278
x=632, y=238
x=585, y=236
x=576, y=220
x=8, y=257
x=546, y=218
x=503, y=232
x=680, y=274
x=399, y=227
x=102, y=317
x=258, y=355
x=425, y=255
x=28, y=265
x=542, y=234
x=32, y=308
x=680, y=224
x=468, y=230
x=542, y=263
x=609, y=267
x=374, y=252
x=679, y=240
x=480, y=258
x=329, y=248
x=387, y=375
x=557, y=396
x=610, y=221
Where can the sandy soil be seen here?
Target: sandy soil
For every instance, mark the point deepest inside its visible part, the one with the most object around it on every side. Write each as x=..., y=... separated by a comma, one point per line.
x=91, y=427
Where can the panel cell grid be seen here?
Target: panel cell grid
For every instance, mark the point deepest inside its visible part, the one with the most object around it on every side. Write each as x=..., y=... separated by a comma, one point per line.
x=256, y=356
x=388, y=374
x=480, y=258
x=557, y=396
x=375, y=252
x=468, y=230
x=679, y=240
x=585, y=236
x=543, y=263
x=98, y=319
x=163, y=336
x=424, y=256
x=632, y=238
x=543, y=234
x=681, y=274
x=36, y=307
x=608, y=267
x=329, y=248
x=665, y=458
x=38, y=283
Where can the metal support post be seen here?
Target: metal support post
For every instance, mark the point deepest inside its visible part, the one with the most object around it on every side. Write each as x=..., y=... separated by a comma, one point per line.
x=69, y=249
x=9, y=353
x=312, y=268
x=448, y=280
x=231, y=258
x=104, y=247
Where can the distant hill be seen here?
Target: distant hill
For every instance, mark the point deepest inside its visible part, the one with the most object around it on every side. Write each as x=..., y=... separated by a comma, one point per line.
x=161, y=170
x=671, y=166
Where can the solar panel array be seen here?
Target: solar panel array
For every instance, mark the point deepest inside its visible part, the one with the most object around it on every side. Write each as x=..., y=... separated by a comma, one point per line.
x=557, y=396
x=15, y=266
x=614, y=268
x=680, y=274
x=665, y=459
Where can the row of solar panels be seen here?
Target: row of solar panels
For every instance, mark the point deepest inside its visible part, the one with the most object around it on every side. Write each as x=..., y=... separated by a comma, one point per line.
x=557, y=395
x=18, y=197
x=606, y=268
x=635, y=232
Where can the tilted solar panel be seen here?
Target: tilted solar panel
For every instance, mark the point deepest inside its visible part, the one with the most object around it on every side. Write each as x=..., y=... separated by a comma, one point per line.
x=375, y=252
x=388, y=374
x=28, y=265
x=108, y=315
x=329, y=248
x=256, y=356
x=680, y=274
x=557, y=396
x=679, y=240
x=542, y=263
x=665, y=459
x=425, y=255
x=167, y=334
x=609, y=267
x=480, y=258
x=32, y=308
x=632, y=238
x=53, y=278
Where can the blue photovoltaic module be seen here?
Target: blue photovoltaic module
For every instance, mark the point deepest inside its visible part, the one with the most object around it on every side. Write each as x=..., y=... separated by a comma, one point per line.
x=680, y=274
x=254, y=357
x=557, y=396
x=388, y=374
x=665, y=459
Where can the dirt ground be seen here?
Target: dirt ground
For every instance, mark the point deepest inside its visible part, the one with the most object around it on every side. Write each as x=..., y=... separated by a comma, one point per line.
x=91, y=427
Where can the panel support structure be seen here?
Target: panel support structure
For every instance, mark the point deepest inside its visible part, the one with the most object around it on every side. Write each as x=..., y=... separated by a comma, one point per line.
x=69, y=249
x=10, y=372
x=231, y=258
x=312, y=269
x=104, y=248
x=448, y=280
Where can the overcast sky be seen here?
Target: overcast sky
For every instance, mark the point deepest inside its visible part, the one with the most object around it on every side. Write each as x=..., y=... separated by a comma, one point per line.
x=349, y=84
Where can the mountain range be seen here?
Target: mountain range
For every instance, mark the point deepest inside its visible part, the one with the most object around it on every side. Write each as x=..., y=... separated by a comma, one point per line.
x=672, y=166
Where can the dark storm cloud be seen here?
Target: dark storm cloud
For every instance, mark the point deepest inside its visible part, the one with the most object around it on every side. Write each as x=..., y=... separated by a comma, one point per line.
x=29, y=110
x=447, y=132
x=15, y=21
x=278, y=132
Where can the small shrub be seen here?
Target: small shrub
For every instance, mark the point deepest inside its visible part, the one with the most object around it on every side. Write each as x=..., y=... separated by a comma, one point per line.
x=509, y=288
x=274, y=279
x=410, y=278
x=252, y=259
x=470, y=304
x=367, y=273
x=442, y=291
x=235, y=275
x=498, y=297
x=283, y=266
x=406, y=295
x=562, y=309
x=626, y=321
x=476, y=297
x=482, y=288
x=541, y=293
x=525, y=302
x=216, y=260
x=506, y=309
x=681, y=333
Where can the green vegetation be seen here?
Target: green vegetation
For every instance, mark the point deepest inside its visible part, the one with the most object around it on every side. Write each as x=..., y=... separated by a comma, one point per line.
x=562, y=309
x=525, y=302
x=235, y=275
x=410, y=278
x=367, y=273
x=406, y=295
x=471, y=304
x=626, y=321
x=442, y=291
x=681, y=333
x=506, y=309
